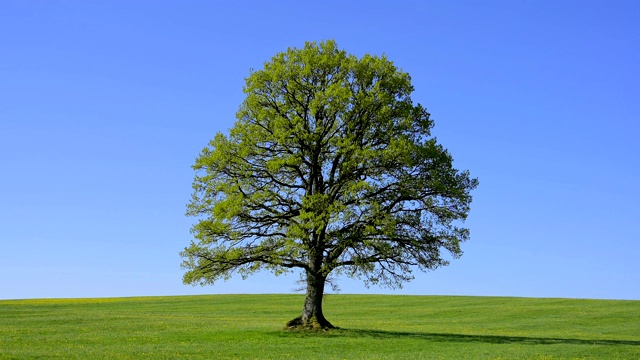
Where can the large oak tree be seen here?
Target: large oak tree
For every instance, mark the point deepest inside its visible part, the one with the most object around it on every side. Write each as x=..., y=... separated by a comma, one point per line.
x=330, y=168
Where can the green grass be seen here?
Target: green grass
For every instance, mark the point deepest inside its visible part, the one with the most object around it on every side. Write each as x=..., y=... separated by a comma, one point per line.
x=372, y=326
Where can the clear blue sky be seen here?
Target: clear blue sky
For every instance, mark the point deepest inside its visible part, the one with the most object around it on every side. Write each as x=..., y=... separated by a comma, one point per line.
x=104, y=106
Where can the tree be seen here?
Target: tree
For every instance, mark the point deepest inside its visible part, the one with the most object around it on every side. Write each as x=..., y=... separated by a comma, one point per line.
x=331, y=169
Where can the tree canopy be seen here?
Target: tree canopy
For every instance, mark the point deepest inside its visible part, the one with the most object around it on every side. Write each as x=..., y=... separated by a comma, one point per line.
x=330, y=168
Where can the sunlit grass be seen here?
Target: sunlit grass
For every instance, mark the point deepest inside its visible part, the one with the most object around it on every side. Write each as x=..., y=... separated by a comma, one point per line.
x=372, y=326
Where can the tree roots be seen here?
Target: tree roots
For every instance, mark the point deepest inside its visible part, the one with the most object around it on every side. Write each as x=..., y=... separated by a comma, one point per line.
x=312, y=324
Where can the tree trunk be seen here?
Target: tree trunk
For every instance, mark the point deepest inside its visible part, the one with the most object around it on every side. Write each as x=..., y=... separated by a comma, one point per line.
x=312, y=316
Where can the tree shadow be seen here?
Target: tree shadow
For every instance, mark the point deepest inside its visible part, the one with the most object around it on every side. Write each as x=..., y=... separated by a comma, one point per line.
x=489, y=339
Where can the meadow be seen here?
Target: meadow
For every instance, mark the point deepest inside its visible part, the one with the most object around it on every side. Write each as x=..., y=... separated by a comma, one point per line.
x=371, y=327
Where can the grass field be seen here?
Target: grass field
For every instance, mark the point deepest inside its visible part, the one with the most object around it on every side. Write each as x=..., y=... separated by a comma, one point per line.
x=372, y=327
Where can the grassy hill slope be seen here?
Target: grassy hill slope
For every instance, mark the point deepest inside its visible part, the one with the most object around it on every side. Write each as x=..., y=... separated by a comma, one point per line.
x=372, y=327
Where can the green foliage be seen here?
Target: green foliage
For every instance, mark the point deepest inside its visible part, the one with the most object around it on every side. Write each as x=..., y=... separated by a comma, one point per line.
x=372, y=327
x=329, y=168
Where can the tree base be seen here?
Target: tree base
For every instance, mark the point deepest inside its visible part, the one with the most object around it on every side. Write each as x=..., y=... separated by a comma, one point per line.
x=312, y=324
